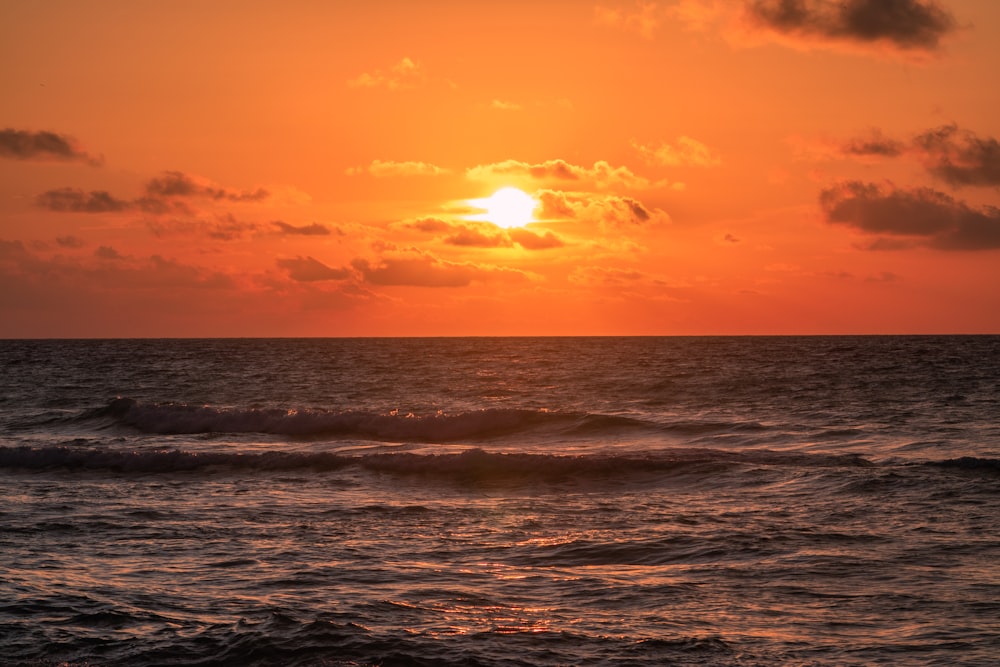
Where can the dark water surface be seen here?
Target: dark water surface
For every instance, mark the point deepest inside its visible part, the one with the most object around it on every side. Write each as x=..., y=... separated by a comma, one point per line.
x=506, y=501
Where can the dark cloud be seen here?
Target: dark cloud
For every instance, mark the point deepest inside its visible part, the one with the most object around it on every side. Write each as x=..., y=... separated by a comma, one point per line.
x=78, y=201
x=69, y=242
x=23, y=145
x=315, y=229
x=223, y=228
x=309, y=269
x=921, y=216
x=163, y=195
x=884, y=277
x=959, y=157
x=157, y=206
x=107, y=252
x=875, y=144
x=956, y=156
x=228, y=228
x=905, y=24
x=179, y=184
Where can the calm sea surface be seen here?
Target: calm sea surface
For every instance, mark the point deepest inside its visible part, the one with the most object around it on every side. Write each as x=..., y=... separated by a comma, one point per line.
x=504, y=501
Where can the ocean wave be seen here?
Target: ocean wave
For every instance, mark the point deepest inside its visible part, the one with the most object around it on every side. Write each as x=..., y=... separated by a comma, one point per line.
x=468, y=465
x=441, y=427
x=181, y=418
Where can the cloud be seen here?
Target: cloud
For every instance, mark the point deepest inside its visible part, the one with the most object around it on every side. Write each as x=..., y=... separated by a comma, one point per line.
x=69, y=242
x=179, y=184
x=24, y=145
x=163, y=195
x=602, y=174
x=643, y=19
x=121, y=274
x=485, y=235
x=70, y=200
x=427, y=224
x=875, y=144
x=607, y=210
x=107, y=252
x=913, y=27
x=478, y=237
x=12, y=250
x=388, y=168
x=530, y=240
x=601, y=276
x=902, y=24
x=687, y=151
x=419, y=269
x=505, y=105
x=309, y=269
x=920, y=216
x=960, y=157
x=315, y=229
x=224, y=228
x=401, y=76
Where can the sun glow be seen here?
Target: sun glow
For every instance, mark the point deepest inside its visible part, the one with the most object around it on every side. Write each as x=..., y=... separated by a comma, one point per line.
x=507, y=207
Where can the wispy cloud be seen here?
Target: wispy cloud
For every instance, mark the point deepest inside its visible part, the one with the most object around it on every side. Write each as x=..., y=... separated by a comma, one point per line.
x=684, y=152
x=485, y=234
x=225, y=227
x=107, y=269
x=602, y=174
x=505, y=105
x=391, y=168
x=407, y=73
x=310, y=269
x=639, y=17
x=315, y=229
x=420, y=269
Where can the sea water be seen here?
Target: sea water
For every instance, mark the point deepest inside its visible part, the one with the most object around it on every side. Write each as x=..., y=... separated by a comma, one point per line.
x=501, y=501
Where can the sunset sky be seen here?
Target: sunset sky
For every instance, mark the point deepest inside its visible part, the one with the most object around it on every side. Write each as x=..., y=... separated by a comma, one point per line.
x=242, y=168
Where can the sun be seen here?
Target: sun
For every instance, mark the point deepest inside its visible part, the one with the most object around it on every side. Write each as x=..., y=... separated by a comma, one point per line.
x=507, y=207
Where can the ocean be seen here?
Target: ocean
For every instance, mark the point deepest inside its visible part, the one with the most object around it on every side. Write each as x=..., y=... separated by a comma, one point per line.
x=501, y=501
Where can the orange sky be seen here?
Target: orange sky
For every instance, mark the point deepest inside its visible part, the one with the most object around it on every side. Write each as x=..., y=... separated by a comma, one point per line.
x=241, y=168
